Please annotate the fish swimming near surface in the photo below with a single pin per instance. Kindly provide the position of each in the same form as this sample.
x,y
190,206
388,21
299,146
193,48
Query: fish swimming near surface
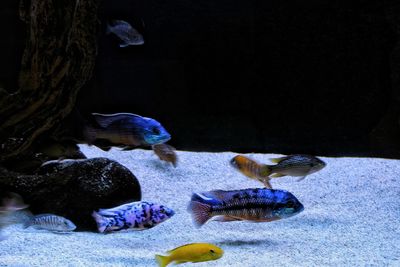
x,y
257,205
166,152
125,32
140,215
195,252
292,165
11,203
252,169
50,222
124,130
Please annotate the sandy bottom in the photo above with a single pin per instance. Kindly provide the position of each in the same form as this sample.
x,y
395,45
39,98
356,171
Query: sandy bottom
x,y
351,218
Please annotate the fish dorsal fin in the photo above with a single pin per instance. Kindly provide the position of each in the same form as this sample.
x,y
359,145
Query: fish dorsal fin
x,y
216,194
172,250
277,160
104,120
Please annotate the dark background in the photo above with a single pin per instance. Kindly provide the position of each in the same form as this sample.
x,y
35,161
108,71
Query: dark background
x,y
248,75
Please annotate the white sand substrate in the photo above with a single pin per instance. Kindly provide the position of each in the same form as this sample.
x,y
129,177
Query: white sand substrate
x,y
351,218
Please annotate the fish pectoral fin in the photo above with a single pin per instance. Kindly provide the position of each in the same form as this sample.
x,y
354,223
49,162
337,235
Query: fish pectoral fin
x,y
127,148
276,175
224,218
180,262
267,184
277,160
302,178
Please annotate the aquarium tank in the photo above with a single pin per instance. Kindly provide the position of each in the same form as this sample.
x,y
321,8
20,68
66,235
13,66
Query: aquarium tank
x,y
202,133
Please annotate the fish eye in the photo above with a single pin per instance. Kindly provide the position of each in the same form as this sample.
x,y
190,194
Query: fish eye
x,y
212,251
290,204
155,130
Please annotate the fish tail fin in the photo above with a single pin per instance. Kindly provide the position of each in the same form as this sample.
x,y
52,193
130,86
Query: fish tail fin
x,y
277,160
265,170
101,222
201,212
89,134
108,28
162,260
27,223
27,220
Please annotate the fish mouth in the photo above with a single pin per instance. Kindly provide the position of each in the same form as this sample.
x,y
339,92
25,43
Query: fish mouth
x,y
156,140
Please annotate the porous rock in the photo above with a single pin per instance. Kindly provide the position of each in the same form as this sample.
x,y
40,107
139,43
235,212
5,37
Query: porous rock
x,y
74,188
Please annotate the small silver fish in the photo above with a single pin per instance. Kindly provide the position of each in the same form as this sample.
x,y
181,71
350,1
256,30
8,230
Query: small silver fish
x,y
140,215
166,152
124,31
51,222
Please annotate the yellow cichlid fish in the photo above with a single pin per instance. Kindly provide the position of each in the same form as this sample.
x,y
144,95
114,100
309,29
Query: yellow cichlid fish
x,y
195,252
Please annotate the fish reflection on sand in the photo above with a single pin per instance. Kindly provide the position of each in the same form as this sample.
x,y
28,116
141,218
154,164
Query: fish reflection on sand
x,y
13,202
124,130
293,165
166,152
257,205
195,252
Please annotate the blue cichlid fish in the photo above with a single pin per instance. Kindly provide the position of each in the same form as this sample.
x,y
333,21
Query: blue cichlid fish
x,y
50,222
140,215
125,32
124,130
257,205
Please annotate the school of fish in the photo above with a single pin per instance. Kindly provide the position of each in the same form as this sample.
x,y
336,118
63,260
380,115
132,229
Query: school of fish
x,y
129,131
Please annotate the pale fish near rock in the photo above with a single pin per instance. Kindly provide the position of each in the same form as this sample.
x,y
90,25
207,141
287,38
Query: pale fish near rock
x,y
140,215
50,222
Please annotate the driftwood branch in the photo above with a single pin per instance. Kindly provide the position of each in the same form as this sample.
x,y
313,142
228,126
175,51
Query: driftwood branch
x,y
58,60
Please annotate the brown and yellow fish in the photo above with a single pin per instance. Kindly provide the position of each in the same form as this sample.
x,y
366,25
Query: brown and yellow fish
x,y
166,152
253,204
292,165
252,169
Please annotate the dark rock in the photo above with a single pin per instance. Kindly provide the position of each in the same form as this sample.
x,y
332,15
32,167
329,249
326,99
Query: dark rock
x,y
74,188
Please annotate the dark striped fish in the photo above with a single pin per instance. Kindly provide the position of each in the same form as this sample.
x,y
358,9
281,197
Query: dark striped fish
x,y
296,165
252,169
257,205
51,222
166,152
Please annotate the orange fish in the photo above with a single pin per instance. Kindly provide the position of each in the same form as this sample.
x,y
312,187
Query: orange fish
x,y
166,152
252,169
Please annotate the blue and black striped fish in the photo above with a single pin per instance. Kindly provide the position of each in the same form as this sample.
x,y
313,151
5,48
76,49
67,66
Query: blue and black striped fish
x,y
257,205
